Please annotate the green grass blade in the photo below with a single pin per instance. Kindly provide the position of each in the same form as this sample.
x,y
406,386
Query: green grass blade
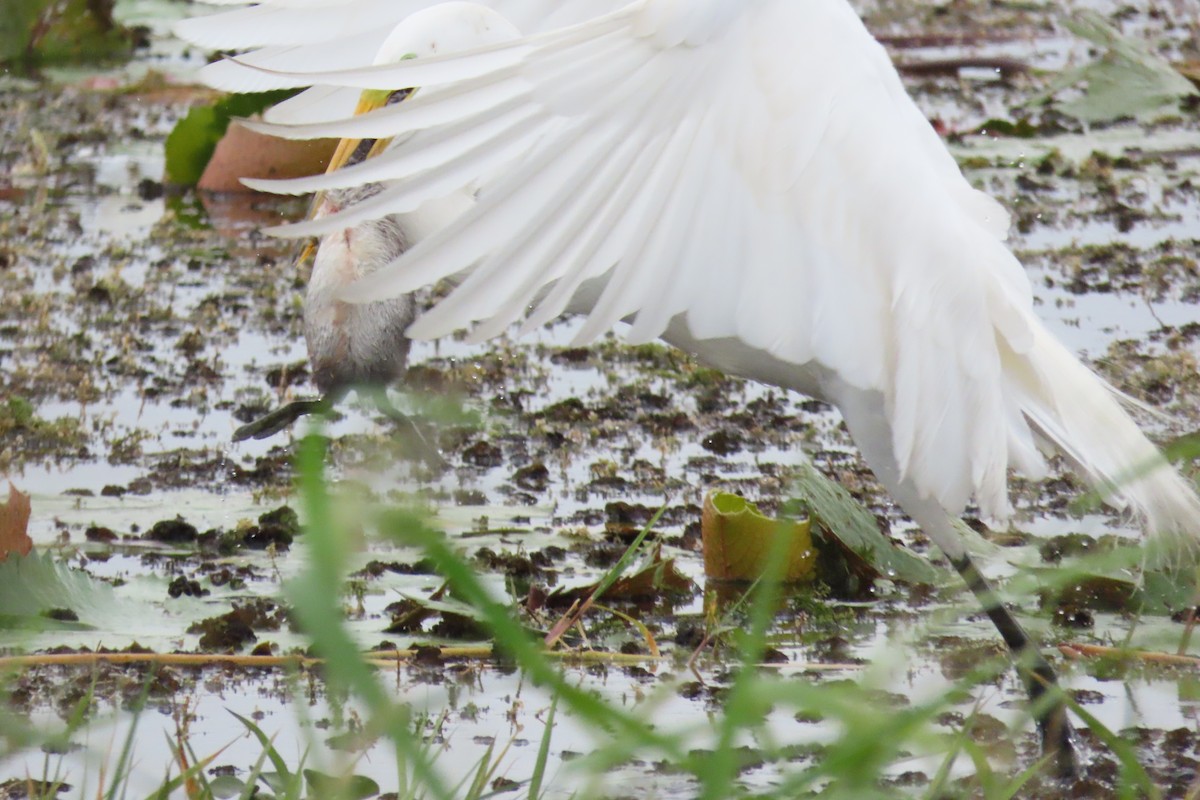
x,y
539,767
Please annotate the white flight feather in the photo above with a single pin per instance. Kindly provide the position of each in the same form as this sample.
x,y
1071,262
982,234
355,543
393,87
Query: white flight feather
x,y
440,181
398,163
843,238
314,105
497,291
264,25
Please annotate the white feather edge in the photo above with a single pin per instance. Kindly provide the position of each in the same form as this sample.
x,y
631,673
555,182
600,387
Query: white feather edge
x,y
631,243
1165,501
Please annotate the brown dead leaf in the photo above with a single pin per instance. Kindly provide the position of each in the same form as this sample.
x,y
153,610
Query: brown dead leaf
x,y
14,524
1191,71
658,577
243,153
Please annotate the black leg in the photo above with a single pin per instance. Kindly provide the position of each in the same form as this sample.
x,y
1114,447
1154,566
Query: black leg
x,y
273,422
426,451
1040,681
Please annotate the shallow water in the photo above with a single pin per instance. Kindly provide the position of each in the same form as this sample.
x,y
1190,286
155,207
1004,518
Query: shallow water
x,y
178,309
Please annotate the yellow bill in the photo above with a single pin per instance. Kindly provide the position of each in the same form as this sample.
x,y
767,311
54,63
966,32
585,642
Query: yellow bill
x,y
370,100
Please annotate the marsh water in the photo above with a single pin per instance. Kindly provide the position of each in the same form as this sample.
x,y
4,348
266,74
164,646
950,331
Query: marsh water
x,y
140,326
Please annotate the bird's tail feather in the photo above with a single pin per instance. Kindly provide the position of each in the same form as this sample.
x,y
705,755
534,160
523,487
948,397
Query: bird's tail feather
x,y
1083,418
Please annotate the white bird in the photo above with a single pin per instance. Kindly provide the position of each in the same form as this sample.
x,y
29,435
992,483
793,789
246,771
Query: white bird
x,y
746,179
362,346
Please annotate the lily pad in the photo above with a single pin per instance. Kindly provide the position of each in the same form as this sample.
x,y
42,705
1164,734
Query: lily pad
x,y
738,539
842,519
1128,80
55,31
39,592
194,138
1112,580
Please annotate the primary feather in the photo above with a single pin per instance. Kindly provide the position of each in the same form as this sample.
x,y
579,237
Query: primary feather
x,y
749,180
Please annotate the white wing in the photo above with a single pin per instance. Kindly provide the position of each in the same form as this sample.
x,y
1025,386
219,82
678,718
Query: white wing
x,y
753,165
324,35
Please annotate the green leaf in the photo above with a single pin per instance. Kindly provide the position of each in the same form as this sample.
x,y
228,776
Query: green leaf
x,y
33,585
352,787
1164,593
1128,80
1104,581
191,143
839,514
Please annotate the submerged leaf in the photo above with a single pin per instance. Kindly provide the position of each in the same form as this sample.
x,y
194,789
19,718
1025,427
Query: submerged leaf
x,y
14,524
653,578
1128,80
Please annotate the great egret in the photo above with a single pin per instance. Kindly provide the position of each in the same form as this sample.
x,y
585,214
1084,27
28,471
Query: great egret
x,y
363,345
746,179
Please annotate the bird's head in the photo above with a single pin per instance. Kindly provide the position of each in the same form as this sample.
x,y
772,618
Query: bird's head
x,y
439,30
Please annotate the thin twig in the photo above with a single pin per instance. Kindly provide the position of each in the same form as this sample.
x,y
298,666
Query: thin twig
x,y
1149,657
382,658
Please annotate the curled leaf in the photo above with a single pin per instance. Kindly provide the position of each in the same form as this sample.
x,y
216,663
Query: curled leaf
x,y
192,146
738,537
243,153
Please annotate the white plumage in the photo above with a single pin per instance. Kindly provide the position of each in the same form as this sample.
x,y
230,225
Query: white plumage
x,y
745,178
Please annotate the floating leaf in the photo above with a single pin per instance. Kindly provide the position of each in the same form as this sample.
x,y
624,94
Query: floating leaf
x,y
1164,592
194,138
1103,581
738,538
446,606
459,620
37,585
1128,80
842,519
